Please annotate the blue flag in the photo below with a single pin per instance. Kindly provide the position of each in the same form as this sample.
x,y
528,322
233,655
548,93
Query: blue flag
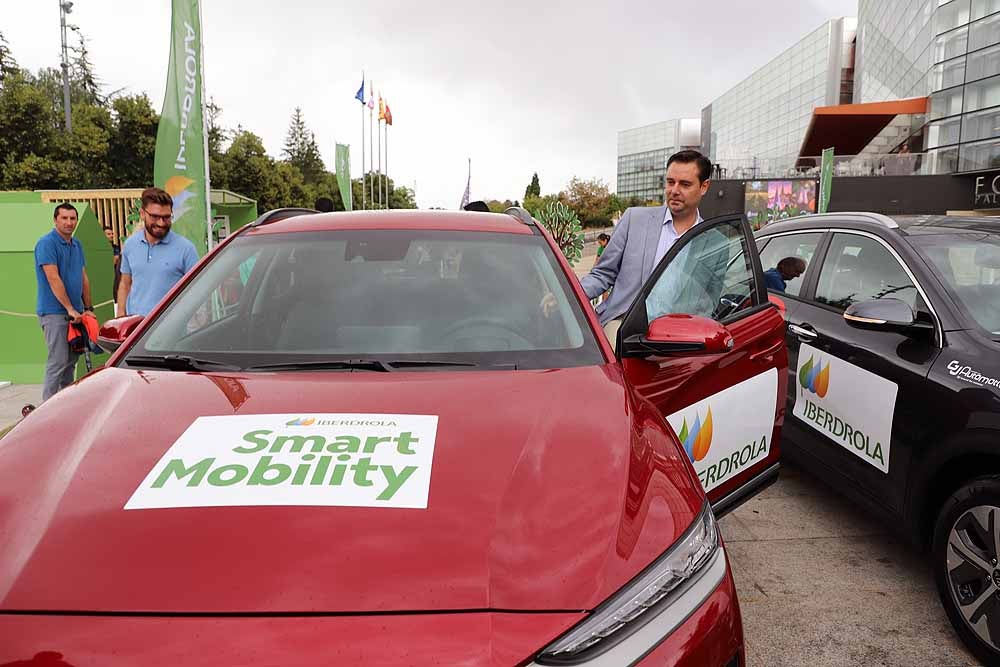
x,y
360,96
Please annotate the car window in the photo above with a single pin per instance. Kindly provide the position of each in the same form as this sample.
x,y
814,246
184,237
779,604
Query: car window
x,y
711,276
860,268
465,296
969,265
785,260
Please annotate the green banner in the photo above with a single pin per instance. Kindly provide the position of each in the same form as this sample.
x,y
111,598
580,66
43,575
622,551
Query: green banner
x,y
825,179
181,164
344,175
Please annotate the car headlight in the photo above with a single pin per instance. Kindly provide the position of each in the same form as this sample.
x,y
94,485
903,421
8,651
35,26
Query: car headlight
x,y
670,573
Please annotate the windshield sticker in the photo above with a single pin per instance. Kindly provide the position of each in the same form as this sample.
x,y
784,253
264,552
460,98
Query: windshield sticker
x,y
847,404
729,432
971,375
346,460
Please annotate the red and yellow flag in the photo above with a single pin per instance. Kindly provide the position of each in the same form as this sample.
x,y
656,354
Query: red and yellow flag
x,y
388,115
381,107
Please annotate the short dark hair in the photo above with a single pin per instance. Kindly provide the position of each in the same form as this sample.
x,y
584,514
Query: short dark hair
x,y
603,237
156,196
65,206
689,156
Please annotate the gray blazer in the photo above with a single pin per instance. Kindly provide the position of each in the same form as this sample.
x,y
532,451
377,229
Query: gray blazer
x,y
627,261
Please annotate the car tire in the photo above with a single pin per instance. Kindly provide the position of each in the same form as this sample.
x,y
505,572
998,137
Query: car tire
x,y
965,554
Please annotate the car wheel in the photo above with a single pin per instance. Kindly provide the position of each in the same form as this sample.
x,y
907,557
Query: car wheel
x,y
966,554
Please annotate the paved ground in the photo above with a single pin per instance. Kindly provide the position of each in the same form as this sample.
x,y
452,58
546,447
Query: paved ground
x,y
12,399
821,584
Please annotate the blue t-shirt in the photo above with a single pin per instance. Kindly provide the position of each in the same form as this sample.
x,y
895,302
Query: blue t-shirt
x,y
773,280
67,257
154,268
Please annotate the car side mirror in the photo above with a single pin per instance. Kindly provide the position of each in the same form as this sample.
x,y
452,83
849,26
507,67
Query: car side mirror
x,y
116,331
884,315
679,334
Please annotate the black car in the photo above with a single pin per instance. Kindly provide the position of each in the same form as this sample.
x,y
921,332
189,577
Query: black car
x,y
894,384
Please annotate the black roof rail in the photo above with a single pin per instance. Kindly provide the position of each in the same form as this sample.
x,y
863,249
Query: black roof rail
x,y
281,214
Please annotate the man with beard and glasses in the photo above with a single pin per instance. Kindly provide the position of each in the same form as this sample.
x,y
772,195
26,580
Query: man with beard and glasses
x,y
154,259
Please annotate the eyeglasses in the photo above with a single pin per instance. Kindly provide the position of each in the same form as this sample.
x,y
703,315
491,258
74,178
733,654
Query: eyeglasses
x,y
163,218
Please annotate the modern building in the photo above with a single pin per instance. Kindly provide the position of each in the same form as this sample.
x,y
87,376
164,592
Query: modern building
x,y
949,51
643,153
758,126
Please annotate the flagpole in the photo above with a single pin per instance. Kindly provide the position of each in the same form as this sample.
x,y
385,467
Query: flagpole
x,y
204,132
364,179
371,149
387,165
380,202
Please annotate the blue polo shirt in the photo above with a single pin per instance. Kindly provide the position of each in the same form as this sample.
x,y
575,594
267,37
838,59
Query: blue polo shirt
x,y
154,268
67,256
773,280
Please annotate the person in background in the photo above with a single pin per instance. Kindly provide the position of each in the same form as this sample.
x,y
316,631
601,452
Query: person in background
x,y
154,259
63,295
787,269
602,243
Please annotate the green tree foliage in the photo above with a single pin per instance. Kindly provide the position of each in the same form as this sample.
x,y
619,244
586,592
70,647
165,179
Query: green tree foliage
x,y
113,142
535,205
301,149
564,225
533,189
132,141
591,201
8,66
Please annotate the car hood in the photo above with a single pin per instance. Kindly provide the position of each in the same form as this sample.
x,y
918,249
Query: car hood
x,y
548,491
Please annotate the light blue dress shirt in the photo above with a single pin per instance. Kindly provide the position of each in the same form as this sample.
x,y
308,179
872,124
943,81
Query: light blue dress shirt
x,y
668,235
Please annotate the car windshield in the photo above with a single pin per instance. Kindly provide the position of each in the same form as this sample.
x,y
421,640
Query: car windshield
x,y
969,264
428,299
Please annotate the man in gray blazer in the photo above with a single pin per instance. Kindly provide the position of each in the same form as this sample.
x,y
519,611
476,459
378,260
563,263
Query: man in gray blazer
x,y
644,235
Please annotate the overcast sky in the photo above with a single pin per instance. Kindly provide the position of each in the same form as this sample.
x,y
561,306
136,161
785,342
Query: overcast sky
x,y
516,86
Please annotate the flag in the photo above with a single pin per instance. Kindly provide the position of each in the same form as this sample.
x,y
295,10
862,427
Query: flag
x,y
180,165
825,179
388,115
381,107
344,175
468,183
371,96
360,95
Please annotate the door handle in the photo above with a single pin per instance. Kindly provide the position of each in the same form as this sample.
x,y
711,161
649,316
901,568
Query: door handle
x,y
767,354
803,331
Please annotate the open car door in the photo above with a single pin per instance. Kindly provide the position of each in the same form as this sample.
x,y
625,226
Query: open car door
x,y
703,343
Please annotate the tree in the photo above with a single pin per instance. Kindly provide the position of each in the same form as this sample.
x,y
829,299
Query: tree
x,y
82,70
302,150
564,225
535,205
533,189
28,127
251,171
8,66
132,144
217,138
591,201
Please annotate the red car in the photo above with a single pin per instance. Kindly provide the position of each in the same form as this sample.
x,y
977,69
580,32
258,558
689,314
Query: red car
x,y
361,439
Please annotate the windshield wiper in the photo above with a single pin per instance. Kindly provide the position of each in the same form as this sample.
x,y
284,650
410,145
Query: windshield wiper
x,y
356,364
326,364
179,362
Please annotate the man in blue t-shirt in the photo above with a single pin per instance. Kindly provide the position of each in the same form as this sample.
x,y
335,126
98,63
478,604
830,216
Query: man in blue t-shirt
x,y
787,269
154,258
63,295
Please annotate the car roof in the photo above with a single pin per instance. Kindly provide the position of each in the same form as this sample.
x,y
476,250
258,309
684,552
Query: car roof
x,y
904,225
459,221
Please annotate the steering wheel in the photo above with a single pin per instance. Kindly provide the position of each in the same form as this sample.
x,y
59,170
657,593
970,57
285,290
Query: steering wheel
x,y
471,323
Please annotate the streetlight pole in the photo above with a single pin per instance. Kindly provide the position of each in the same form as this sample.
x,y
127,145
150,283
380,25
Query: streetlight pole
x,y
65,7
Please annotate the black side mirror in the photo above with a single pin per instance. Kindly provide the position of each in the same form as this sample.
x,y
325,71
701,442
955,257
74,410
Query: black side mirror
x,y
884,315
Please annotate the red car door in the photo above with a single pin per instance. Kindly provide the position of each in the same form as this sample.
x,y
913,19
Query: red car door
x,y
703,343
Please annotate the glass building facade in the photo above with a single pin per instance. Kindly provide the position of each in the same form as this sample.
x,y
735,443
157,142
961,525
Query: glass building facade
x,y
643,153
764,118
948,50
